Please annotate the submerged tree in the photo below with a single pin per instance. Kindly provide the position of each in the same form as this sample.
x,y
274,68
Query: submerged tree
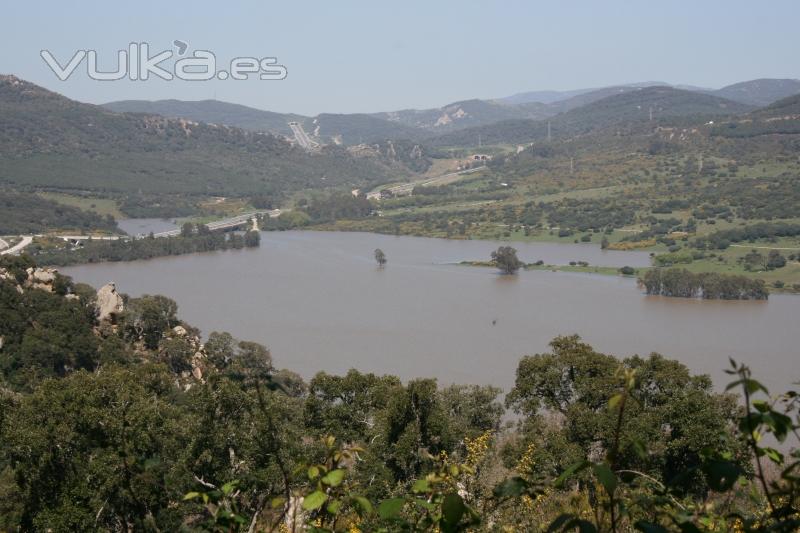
x,y
380,257
252,239
506,259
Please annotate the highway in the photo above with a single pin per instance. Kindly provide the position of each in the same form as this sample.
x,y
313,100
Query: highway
x,y
26,240
302,137
444,179
226,223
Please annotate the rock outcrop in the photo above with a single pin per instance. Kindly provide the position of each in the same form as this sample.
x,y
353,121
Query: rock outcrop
x,y
41,278
109,303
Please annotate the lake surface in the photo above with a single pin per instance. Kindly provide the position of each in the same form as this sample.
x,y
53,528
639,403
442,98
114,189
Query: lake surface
x,y
319,302
143,226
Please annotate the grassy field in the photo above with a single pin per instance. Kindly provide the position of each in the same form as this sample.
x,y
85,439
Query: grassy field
x,y
605,271
101,206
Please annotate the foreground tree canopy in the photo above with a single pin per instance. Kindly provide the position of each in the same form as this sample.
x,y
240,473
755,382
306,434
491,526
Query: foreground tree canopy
x,y
131,422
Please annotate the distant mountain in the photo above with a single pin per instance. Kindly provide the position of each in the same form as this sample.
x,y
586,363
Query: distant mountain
x,y
212,112
341,128
464,114
357,128
627,109
586,98
544,97
761,92
421,124
47,140
553,97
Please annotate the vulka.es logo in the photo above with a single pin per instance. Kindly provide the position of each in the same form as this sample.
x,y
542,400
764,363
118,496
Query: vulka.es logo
x,y
137,63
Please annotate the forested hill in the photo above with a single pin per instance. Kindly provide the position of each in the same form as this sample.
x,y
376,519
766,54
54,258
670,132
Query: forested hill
x,y
627,110
760,92
52,141
212,112
789,106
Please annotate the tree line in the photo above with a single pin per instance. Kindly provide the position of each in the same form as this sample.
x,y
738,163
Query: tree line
x,y
721,239
97,251
681,283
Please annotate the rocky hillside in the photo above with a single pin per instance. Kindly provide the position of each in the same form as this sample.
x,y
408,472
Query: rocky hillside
x,y
45,309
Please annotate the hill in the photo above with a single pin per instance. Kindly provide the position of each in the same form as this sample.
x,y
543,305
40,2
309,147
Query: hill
x,y
47,140
784,107
212,112
759,92
779,118
636,106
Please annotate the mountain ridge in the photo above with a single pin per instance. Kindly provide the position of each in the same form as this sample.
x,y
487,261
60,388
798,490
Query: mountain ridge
x,y
48,140
629,109
422,124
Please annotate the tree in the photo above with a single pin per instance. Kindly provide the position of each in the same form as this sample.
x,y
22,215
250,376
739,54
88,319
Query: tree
x,y
380,257
148,317
252,239
187,230
97,450
674,411
775,260
506,259
754,261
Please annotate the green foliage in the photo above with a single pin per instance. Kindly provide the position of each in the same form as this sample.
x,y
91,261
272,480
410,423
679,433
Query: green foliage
x,y
147,318
94,450
505,257
29,213
44,335
671,410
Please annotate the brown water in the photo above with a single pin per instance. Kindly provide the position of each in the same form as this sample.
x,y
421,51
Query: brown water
x,y
320,303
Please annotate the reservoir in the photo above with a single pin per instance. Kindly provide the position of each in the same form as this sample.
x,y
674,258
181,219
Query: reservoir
x,y
319,302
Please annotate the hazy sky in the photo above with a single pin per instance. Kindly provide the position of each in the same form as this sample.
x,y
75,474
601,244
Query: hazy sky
x,y
358,56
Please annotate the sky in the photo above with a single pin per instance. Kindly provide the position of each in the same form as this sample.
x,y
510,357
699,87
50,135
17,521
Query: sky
x,y
359,56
